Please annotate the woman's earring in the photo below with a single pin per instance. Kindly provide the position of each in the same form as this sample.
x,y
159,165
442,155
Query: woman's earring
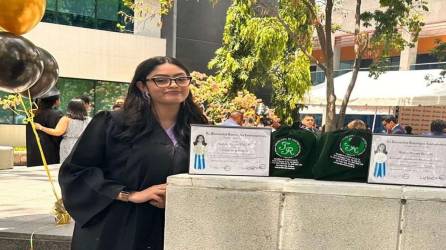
x,y
146,96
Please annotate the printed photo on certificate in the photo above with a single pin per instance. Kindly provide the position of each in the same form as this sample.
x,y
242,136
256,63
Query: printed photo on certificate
x,y
229,150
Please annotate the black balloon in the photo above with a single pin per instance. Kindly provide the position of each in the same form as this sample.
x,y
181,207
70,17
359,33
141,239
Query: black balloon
x,y
48,78
20,63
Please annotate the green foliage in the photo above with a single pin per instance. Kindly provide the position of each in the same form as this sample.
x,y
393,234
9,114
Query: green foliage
x,y
212,95
440,53
259,49
106,94
387,37
440,50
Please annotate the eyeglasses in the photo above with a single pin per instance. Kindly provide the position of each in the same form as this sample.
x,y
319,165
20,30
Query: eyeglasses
x,y
164,82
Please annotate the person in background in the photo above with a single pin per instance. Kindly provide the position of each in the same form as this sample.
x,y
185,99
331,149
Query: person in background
x,y
437,128
70,127
249,122
235,119
307,122
116,107
356,124
87,102
114,181
119,104
408,130
275,124
48,115
392,127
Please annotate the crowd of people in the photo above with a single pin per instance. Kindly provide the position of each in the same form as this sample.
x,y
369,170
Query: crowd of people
x,y
58,133
307,121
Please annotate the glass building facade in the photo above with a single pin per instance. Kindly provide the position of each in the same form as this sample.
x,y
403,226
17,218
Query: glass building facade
x,y
94,14
102,93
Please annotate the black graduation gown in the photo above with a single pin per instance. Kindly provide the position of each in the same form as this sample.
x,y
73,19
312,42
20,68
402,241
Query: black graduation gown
x,y
100,166
50,144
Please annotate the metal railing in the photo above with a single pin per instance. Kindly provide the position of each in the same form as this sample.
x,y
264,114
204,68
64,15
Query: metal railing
x,y
318,77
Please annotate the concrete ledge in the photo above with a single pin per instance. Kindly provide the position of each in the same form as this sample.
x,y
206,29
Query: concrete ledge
x,y
229,182
222,212
342,188
6,157
424,193
17,232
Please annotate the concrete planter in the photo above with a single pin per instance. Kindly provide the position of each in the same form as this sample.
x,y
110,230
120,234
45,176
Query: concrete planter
x,y
221,212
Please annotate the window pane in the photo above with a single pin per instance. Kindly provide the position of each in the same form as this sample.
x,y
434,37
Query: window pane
x,y
107,93
50,16
76,20
71,88
106,25
51,5
107,9
79,7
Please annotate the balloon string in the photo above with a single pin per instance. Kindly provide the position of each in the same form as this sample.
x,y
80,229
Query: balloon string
x,y
30,116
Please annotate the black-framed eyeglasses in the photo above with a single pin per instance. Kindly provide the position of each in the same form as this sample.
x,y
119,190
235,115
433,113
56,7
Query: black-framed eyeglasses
x,y
164,81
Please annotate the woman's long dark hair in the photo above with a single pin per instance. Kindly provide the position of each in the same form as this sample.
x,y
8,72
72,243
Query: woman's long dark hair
x,y
76,109
138,113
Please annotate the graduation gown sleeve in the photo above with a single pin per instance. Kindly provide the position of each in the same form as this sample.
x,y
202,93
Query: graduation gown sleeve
x,y
85,190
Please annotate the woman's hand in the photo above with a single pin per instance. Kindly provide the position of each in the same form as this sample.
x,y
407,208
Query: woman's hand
x,y
155,195
38,126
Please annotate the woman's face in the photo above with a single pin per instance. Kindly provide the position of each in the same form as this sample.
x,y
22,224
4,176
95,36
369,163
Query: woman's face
x,y
200,139
170,94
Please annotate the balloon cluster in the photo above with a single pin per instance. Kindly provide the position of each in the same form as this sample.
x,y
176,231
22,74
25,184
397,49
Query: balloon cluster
x,y
23,66
26,70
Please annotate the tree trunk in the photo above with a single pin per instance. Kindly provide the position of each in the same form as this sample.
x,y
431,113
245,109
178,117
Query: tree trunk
x,y
330,111
359,44
342,111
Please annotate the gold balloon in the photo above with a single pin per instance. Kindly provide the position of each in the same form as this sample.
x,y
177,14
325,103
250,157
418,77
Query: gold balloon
x,y
20,16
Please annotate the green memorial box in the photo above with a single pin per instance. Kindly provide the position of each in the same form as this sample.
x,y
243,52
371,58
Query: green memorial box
x,y
343,155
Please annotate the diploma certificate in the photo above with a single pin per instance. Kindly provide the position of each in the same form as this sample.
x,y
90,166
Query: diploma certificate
x,y
229,150
409,160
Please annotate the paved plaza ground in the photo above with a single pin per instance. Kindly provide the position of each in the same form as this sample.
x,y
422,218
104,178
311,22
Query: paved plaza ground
x,y
26,203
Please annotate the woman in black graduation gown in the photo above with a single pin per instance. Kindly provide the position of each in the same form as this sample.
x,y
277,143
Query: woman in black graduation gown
x,y
48,115
113,182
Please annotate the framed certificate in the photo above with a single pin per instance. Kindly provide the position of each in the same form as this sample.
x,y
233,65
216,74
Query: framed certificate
x,y
409,160
224,150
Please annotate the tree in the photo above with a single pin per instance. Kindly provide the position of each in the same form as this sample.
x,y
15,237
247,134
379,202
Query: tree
x,y
212,95
440,53
269,40
388,22
258,50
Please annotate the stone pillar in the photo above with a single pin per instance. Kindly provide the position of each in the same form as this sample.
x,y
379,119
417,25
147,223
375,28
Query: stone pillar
x,y
408,55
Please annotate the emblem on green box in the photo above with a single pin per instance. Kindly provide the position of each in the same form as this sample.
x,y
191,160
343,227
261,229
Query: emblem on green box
x,y
287,148
348,148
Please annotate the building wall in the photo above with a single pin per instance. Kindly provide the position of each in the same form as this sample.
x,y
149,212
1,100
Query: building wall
x,y
95,54
196,30
346,13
